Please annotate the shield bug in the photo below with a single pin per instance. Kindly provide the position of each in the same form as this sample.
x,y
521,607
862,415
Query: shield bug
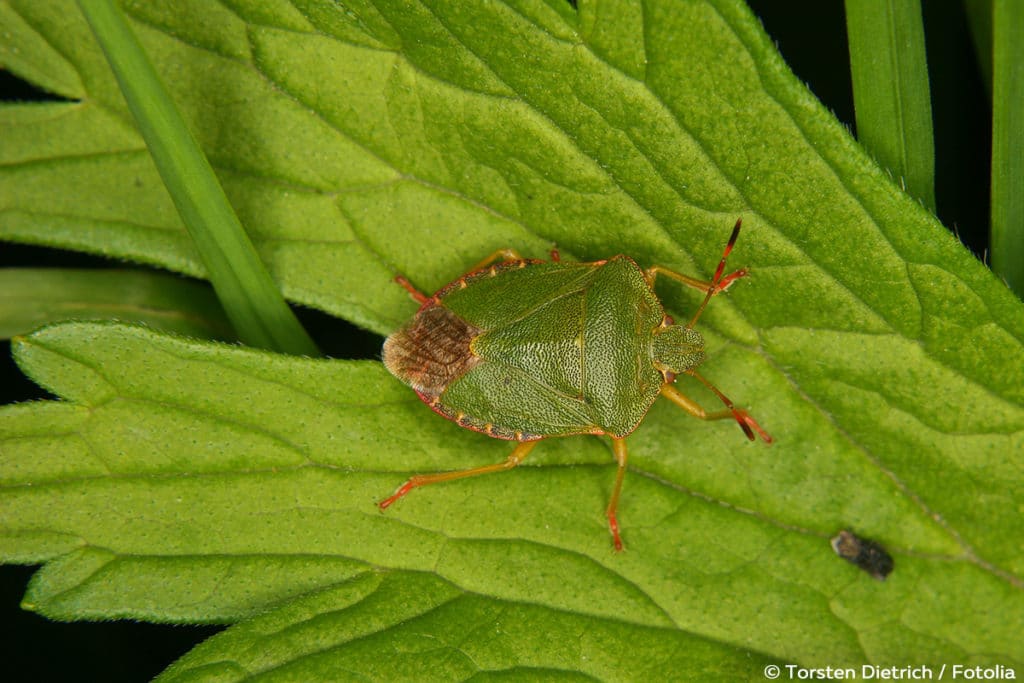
x,y
523,350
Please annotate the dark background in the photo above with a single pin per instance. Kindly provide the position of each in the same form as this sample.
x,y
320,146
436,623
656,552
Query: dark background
x,y
811,35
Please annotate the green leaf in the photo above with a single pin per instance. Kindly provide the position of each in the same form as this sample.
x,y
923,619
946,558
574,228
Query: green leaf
x,y
31,298
885,360
252,479
890,90
433,631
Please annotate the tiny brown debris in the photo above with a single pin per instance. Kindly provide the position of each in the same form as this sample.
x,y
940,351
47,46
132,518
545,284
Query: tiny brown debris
x,y
864,553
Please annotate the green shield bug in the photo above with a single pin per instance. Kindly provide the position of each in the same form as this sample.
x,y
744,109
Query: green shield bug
x,y
523,350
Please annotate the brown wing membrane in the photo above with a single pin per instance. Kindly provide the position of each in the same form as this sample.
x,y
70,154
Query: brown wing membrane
x,y
431,351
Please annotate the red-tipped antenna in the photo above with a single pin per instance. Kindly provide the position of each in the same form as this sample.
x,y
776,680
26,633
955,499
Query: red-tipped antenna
x,y
718,283
747,423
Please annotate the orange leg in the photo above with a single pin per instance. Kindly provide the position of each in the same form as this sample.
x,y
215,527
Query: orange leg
x,y
499,255
407,286
747,423
619,448
515,457
505,254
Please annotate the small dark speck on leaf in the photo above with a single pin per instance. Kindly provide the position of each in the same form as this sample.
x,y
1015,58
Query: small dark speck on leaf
x,y
864,553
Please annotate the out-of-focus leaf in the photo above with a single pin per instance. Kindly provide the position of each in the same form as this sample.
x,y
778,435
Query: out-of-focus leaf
x,y
33,297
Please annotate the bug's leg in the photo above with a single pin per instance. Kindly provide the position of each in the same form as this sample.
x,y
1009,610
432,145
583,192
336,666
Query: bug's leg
x,y
717,283
702,285
500,255
619,448
514,458
407,286
747,423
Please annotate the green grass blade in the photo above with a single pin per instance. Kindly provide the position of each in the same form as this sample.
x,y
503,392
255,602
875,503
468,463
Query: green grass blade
x,y
33,297
1008,142
249,296
890,90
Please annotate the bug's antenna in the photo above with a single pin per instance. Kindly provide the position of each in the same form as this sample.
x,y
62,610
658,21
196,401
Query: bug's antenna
x,y
718,283
746,422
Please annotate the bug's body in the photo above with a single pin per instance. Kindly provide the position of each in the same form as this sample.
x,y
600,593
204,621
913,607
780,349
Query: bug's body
x,y
525,349
575,357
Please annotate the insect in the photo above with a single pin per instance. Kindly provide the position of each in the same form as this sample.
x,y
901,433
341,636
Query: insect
x,y
524,350
867,554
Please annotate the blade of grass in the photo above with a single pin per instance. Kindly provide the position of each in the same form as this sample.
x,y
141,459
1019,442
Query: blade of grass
x,y
249,296
891,95
1008,142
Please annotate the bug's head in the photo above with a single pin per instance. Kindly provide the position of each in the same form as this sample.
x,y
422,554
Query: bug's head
x,y
677,348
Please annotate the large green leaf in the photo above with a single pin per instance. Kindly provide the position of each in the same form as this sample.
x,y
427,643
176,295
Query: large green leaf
x,y
251,478
203,483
